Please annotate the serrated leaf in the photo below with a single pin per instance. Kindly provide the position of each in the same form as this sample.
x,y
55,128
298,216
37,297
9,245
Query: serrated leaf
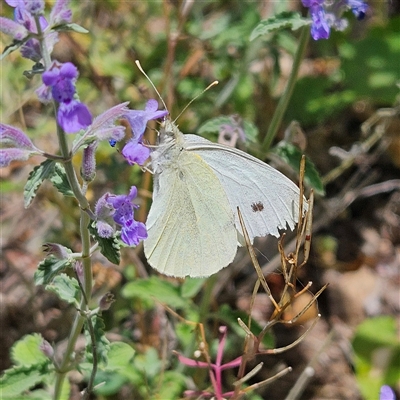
x,y
26,351
214,125
191,286
292,155
60,181
119,355
109,247
65,288
49,268
102,343
154,288
17,380
287,19
36,177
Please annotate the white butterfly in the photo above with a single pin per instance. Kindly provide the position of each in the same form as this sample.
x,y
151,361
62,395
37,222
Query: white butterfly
x,y
193,226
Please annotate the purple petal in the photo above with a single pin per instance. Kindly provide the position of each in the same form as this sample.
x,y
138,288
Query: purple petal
x,y
135,153
139,118
68,71
319,28
386,393
74,116
133,234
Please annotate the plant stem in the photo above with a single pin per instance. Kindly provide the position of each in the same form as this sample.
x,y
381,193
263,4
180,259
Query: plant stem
x,y
287,94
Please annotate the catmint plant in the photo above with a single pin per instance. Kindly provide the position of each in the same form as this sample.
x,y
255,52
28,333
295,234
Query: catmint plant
x,y
104,225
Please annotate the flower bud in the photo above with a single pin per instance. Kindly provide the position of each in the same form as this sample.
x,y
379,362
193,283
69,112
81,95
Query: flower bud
x,y
88,169
57,250
46,348
106,301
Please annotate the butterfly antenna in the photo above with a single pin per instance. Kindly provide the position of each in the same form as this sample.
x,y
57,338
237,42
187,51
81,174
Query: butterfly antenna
x,y
191,101
137,62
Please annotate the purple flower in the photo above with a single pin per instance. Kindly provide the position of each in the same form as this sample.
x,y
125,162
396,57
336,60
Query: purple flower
x,y
215,370
132,231
72,114
120,208
134,151
326,14
24,14
358,7
319,28
139,118
61,78
17,145
386,393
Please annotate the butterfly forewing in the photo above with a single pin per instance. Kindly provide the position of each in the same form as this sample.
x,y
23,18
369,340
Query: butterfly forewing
x,y
248,181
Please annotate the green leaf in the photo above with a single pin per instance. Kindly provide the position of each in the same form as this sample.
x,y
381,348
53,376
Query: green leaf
x,y
172,385
292,156
119,356
15,45
214,125
36,177
154,288
65,288
60,181
191,286
17,380
292,20
109,247
379,54
70,27
26,351
49,268
102,343
149,363
373,333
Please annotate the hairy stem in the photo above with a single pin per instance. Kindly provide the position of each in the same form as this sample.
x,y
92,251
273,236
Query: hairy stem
x,y
77,326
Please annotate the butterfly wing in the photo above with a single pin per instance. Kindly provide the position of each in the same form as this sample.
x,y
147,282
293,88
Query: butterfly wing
x,y
190,225
267,199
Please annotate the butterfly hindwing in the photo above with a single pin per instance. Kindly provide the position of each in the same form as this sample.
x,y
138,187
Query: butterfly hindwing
x,y
190,224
